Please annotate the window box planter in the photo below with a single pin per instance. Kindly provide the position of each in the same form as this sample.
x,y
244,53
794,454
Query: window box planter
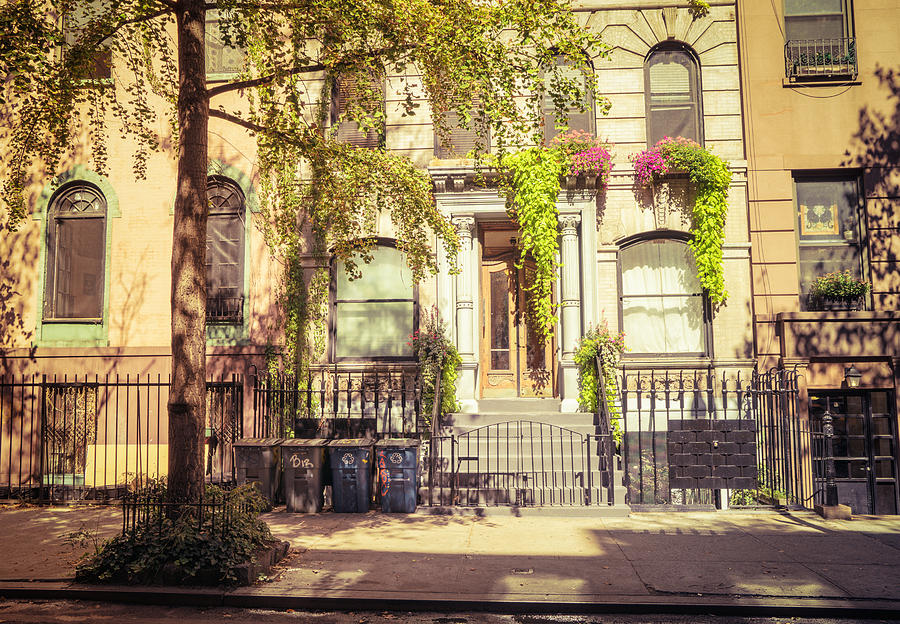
x,y
823,304
839,290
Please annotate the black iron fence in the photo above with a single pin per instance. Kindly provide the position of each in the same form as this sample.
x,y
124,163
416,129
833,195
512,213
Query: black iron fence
x,y
516,463
789,461
338,403
690,436
84,438
141,511
820,58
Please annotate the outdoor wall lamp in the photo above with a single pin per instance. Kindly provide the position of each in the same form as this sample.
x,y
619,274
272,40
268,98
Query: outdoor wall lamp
x,y
852,377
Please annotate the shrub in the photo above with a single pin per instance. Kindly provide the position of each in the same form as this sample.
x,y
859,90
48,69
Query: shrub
x,y
712,178
194,552
435,352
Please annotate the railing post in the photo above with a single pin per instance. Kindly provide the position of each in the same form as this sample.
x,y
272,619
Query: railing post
x,y
831,496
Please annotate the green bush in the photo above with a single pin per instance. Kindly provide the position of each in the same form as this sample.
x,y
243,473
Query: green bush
x,y
161,548
436,352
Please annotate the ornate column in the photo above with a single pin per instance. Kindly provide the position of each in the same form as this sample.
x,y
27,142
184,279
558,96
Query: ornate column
x,y
570,309
465,314
464,300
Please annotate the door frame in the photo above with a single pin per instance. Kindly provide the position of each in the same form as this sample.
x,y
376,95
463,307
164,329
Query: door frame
x,y
868,435
516,330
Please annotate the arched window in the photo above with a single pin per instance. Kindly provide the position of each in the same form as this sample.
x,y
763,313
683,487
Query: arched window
x,y
374,316
224,252
76,254
672,85
577,119
663,306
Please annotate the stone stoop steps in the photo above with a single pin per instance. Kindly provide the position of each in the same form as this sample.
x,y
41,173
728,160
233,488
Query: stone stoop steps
x,y
520,453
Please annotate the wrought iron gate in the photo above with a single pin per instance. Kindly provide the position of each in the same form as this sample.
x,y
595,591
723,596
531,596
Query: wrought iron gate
x,y
521,463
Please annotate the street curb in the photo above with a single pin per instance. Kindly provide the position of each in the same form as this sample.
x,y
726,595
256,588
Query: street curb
x,y
675,605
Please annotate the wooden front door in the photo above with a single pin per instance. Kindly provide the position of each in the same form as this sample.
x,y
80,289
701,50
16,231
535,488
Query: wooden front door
x,y
514,362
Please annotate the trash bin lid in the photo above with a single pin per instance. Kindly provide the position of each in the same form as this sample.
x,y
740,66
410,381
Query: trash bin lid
x,y
258,442
396,442
352,442
305,442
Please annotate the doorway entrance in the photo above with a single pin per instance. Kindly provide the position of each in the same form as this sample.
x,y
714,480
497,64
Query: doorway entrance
x,y
865,444
514,361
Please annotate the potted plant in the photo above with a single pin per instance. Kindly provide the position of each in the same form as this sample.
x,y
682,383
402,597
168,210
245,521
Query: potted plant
x,y
837,291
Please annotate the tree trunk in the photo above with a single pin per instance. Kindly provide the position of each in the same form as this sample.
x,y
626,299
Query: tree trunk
x,y
187,394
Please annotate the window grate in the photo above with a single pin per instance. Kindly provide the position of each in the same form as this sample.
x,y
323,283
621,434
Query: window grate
x,y
820,58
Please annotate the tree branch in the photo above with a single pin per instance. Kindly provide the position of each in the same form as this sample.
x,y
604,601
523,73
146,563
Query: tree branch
x,y
258,82
287,137
252,127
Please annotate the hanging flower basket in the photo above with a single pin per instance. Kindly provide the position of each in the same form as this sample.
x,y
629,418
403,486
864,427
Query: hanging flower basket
x,y
710,177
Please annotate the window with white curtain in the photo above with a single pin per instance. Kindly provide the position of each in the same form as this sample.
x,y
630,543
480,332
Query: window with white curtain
x,y
374,315
662,300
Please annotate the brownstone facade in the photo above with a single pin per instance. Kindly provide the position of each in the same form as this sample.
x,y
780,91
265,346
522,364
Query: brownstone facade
x,y
821,123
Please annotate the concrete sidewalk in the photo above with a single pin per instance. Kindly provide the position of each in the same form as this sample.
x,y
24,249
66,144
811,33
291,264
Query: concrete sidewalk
x,y
790,562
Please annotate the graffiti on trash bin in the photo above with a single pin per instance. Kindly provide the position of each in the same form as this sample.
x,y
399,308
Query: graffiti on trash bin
x,y
298,462
384,475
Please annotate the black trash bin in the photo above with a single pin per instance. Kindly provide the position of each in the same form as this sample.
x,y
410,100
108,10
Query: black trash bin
x,y
257,461
351,472
304,483
397,461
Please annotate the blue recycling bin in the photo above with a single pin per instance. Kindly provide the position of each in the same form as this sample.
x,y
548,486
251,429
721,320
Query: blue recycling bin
x,y
397,463
351,474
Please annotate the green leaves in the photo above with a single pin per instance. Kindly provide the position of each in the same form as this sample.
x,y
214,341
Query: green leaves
x,y
531,184
599,342
712,178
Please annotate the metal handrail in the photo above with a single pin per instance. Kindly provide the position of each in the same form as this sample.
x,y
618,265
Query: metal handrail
x,y
605,439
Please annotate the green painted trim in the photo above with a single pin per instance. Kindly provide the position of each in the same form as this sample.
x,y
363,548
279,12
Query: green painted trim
x,y
217,167
251,200
63,334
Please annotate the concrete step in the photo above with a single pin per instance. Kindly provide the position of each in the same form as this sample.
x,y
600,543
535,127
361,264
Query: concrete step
x,y
513,496
519,404
481,419
511,479
515,432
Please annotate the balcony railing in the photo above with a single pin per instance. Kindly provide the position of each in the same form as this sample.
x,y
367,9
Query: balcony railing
x,y
224,310
820,58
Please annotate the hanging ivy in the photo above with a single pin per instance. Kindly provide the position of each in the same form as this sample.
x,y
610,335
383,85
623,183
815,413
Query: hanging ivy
x,y
599,342
712,178
531,182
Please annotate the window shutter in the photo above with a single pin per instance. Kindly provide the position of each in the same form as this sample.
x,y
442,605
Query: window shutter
x,y
577,119
462,140
348,131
